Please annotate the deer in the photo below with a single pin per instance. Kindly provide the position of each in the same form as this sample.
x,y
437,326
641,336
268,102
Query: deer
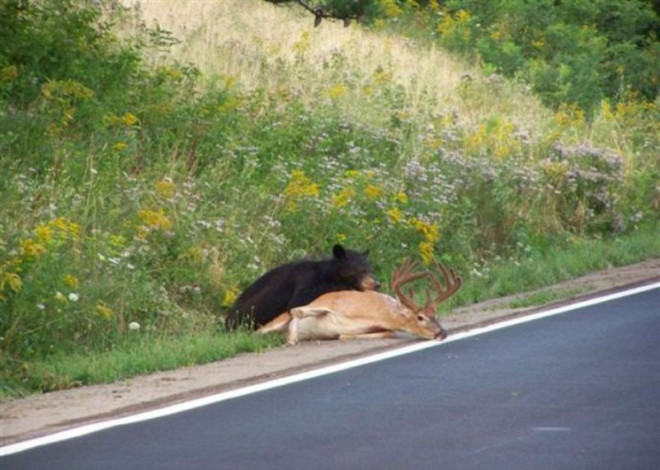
x,y
371,314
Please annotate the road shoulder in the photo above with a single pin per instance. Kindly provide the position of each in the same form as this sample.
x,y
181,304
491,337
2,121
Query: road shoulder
x,y
44,414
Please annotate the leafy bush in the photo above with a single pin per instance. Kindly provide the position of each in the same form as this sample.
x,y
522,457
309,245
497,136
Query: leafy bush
x,y
570,52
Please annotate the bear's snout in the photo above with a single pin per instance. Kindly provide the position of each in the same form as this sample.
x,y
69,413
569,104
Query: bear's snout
x,y
369,283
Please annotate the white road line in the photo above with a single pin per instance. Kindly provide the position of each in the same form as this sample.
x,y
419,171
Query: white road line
x,y
199,402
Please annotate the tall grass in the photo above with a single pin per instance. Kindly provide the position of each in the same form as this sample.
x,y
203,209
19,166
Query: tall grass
x,y
258,46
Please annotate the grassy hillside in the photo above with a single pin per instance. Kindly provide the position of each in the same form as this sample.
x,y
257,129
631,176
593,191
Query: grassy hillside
x,y
153,175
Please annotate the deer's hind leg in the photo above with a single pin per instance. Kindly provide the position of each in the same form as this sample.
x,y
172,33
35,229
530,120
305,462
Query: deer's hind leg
x,y
300,313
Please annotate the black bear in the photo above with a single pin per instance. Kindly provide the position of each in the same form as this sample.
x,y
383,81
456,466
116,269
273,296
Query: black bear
x,y
298,283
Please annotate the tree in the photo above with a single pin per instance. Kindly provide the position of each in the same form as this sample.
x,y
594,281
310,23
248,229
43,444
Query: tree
x,y
344,10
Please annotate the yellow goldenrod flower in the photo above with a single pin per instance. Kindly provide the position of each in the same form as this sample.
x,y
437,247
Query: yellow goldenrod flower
x,y
426,252
32,249
44,233
8,73
395,214
155,220
301,186
374,192
336,91
402,197
104,311
431,232
11,280
130,119
303,44
70,280
343,197
230,296
117,241
165,188
66,227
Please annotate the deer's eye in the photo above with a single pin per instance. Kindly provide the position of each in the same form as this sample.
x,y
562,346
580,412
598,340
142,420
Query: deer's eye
x,y
420,318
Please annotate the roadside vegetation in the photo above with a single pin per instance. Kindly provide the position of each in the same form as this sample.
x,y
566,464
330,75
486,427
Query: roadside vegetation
x,y
151,172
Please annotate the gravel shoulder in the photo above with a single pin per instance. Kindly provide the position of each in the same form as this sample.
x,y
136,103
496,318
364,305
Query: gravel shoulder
x,y
39,415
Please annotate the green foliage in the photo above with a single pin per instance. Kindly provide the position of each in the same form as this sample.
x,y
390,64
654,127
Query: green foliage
x,y
142,199
570,52
59,40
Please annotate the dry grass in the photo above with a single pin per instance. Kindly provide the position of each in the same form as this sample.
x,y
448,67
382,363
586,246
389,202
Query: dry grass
x,y
256,45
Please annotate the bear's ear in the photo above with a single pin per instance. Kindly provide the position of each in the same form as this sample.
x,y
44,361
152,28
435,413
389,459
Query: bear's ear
x,y
339,252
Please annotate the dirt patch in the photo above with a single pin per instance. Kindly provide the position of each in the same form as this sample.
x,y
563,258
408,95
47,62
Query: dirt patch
x,y
43,414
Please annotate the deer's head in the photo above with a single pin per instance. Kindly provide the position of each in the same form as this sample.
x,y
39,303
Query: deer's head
x,y
420,319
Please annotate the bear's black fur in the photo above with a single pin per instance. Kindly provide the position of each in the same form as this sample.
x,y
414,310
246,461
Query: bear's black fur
x,y
298,283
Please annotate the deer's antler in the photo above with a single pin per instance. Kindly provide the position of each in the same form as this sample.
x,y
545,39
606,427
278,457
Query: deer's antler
x,y
452,282
403,275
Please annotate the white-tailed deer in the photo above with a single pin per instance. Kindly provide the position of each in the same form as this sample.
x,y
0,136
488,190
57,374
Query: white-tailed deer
x,y
370,314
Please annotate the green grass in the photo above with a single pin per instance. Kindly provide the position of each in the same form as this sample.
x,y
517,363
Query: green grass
x,y
143,355
561,264
544,298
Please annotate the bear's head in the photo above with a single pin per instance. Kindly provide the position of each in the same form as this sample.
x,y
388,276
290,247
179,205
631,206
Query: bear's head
x,y
354,268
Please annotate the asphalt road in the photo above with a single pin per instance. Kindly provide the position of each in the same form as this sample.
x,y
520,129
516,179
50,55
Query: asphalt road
x,y
579,390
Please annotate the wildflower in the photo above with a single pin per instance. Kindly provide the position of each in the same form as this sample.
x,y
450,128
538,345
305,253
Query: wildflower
x,y
70,280
154,220
12,280
395,214
391,8
426,252
44,233
41,306
60,297
430,232
569,116
32,249
8,73
66,227
300,186
303,44
341,237
130,119
336,91
103,310
373,192
117,241
230,296
73,297
343,197
134,326
119,146
606,111
401,197
165,188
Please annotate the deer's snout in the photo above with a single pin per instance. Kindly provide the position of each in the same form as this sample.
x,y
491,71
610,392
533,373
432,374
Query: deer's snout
x,y
442,334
